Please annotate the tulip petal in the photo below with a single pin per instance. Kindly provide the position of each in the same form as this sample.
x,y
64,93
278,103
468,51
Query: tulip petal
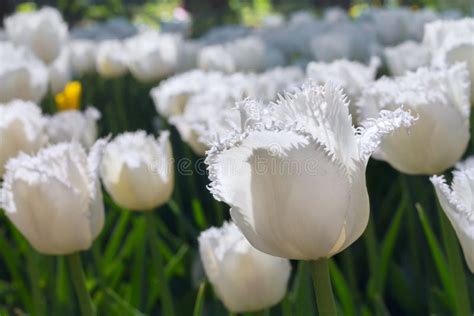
x,y
459,214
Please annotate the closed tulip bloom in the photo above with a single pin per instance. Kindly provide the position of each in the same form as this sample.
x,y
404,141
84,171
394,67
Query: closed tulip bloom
x,y
294,175
244,278
22,75
137,170
21,130
111,59
74,125
457,203
54,198
440,99
43,31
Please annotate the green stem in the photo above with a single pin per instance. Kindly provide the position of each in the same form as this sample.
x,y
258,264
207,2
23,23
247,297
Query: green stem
x,y
166,298
323,287
78,279
35,288
455,265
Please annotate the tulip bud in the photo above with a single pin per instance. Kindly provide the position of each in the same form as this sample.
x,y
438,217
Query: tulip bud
x,y
22,75
244,278
21,130
111,60
54,198
294,175
137,170
73,125
43,31
440,99
457,205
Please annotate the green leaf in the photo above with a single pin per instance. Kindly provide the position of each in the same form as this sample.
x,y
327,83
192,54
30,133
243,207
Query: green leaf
x,y
199,300
342,289
438,256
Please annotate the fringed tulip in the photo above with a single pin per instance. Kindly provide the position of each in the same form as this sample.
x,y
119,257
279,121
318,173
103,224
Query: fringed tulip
x,y
440,99
294,175
137,170
458,205
54,198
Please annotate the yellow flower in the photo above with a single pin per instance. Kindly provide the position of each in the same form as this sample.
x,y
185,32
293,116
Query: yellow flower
x,y
70,97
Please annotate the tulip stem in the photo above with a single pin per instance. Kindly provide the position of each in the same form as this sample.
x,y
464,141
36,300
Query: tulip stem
x,y
166,298
79,281
323,288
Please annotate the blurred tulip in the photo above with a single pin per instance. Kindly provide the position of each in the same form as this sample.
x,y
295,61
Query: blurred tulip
x,y
351,76
54,198
22,75
171,95
137,170
452,42
440,136
153,56
407,56
457,203
244,278
21,130
60,71
83,55
111,59
74,125
294,175
43,31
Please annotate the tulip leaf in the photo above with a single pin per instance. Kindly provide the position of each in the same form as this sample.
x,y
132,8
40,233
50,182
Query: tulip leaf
x,y
438,256
388,245
342,289
199,300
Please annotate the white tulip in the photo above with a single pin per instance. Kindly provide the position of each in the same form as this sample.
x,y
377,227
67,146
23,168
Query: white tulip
x,y
171,95
452,42
294,175
440,32
153,56
54,198
83,55
111,59
458,205
244,54
43,31
137,170
60,71
22,75
73,125
407,56
21,130
441,100
244,278
351,76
